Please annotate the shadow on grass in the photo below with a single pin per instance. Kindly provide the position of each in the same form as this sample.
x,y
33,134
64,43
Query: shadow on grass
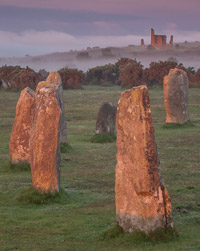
x,y
16,167
159,235
103,138
31,196
65,148
178,126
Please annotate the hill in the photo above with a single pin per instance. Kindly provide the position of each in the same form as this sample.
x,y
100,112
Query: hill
x,y
186,53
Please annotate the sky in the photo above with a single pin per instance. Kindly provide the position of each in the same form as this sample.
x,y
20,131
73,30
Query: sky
x,y
36,27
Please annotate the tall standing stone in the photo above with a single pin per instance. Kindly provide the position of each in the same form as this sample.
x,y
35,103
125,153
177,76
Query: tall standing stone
x,y
54,78
45,139
20,134
106,119
176,96
142,201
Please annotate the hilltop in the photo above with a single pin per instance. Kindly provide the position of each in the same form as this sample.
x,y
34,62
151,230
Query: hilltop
x,y
187,53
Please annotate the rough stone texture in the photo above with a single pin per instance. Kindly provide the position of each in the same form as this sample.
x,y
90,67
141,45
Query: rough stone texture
x,y
106,119
20,134
45,139
160,41
54,78
142,201
176,96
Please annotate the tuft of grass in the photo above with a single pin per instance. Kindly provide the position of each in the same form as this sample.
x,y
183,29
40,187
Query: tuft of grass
x,y
65,148
163,235
159,235
112,233
16,167
177,126
31,196
103,138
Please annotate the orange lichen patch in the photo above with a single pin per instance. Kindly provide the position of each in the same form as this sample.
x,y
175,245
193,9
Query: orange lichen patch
x,y
175,87
45,140
54,77
138,193
20,134
42,84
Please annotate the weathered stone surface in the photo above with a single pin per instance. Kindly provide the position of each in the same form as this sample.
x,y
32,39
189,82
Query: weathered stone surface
x,y
54,78
20,134
142,201
159,41
45,139
176,96
106,119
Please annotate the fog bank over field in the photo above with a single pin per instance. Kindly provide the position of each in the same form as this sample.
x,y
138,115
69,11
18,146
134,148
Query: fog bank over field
x,y
187,53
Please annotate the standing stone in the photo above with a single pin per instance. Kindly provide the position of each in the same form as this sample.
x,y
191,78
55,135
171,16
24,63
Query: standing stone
x,y
54,78
142,201
106,119
176,96
20,134
45,139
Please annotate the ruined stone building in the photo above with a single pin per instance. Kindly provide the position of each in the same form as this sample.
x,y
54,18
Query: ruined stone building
x,y
160,41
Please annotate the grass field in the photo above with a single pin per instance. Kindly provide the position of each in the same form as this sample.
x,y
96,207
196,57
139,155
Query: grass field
x,y
86,206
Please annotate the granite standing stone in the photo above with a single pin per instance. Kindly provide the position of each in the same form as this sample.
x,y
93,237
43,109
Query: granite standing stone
x,y
54,78
106,119
20,134
176,96
142,201
45,139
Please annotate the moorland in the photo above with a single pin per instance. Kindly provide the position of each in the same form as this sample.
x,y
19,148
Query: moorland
x,y
85,208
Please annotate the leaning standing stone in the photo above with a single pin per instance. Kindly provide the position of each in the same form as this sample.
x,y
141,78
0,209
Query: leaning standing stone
x,y
45,139
106,119
176,96
142,201
20,134
54,78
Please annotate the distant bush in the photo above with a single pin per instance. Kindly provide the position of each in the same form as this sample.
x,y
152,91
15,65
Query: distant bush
x,y
131,72
157,70
15,77
107,52
103,75
83,55
72,78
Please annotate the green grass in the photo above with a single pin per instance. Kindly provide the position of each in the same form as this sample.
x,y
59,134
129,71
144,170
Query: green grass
x,y
65,147
159,235
16,167
103,138
31,196
76,219
178,126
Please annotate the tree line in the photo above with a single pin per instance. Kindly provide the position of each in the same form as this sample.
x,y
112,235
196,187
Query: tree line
x,y
125,72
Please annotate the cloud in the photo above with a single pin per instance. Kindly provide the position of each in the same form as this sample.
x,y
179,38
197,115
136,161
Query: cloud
x,y
37,42
181,36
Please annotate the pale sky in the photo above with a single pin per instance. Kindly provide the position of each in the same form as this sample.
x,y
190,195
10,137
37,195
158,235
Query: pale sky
x,y
42,26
